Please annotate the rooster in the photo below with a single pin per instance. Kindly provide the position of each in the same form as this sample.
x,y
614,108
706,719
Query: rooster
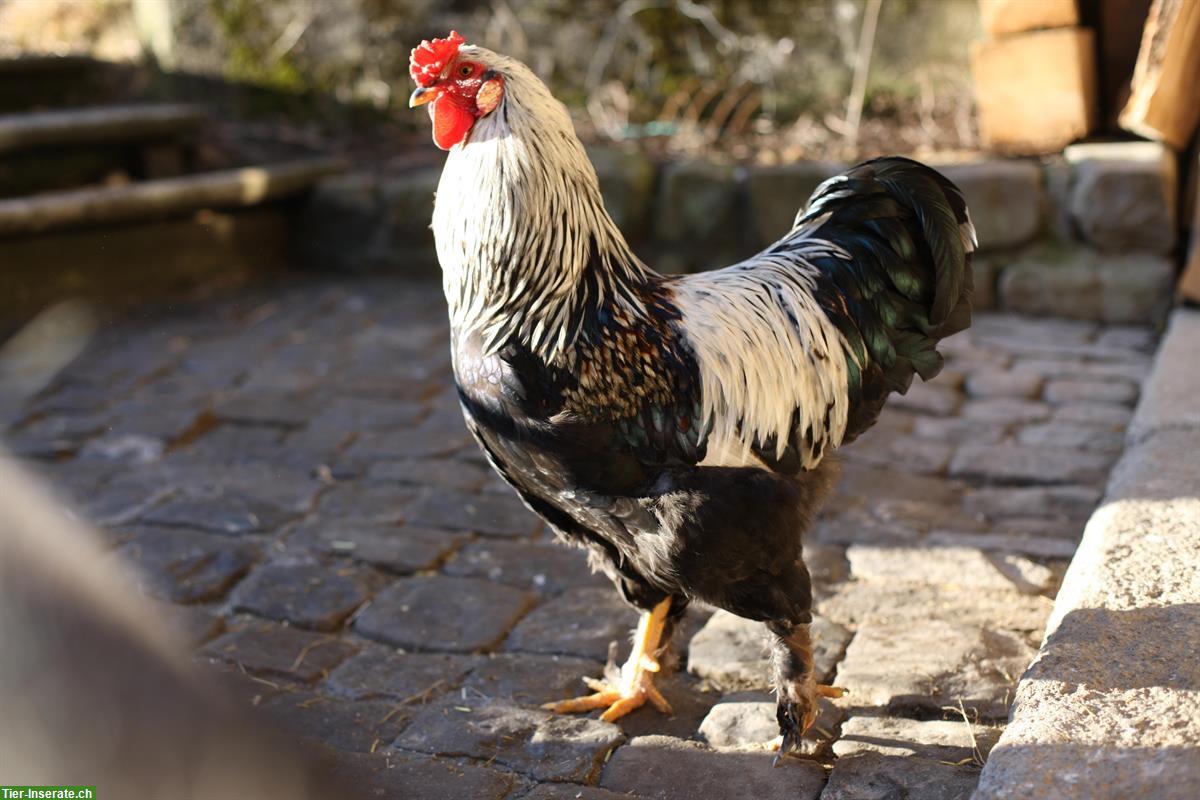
x,y
677,427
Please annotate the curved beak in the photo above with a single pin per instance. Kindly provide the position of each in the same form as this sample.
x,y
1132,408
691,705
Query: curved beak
x,y
422,95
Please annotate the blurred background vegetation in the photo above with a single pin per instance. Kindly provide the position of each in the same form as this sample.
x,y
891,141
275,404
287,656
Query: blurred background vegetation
x,y
764,80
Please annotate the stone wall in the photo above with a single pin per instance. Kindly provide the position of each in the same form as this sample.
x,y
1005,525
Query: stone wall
x,y
1090,234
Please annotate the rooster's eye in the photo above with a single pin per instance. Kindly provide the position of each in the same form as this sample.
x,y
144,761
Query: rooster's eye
x,y
465,70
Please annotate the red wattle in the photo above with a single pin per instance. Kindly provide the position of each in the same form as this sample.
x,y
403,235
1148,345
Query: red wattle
x,y
451,122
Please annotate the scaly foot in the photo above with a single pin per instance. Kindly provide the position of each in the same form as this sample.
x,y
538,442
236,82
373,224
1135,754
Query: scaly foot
x,y
636,683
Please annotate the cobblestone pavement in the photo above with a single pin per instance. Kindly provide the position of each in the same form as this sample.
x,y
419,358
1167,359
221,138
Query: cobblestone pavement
x,y
290,475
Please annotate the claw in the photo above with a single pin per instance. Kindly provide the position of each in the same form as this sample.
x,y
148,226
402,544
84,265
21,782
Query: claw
x,y
634,686
831,691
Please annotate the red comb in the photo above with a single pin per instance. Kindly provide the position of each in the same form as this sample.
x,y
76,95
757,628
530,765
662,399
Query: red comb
x,y
428,59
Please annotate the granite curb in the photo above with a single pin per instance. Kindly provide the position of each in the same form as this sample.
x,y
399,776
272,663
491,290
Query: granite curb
x,y
1110,708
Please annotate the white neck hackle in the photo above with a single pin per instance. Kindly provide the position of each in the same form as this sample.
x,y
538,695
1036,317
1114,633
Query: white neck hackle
x,y
519,222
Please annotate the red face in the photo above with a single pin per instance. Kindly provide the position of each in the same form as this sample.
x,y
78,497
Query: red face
x,y
459,91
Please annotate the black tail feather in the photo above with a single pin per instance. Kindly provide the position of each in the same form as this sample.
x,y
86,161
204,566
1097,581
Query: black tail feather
x,y
909,281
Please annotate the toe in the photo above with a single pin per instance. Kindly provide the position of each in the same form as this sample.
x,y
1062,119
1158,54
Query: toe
x,y
587,703
622,706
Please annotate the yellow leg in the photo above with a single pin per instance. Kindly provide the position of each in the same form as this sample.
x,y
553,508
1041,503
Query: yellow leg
x,y
636,684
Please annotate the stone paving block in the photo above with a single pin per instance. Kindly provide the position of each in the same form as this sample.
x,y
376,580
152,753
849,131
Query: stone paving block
x,y
262,406
396,548
873,485
1074,437
1099,414
238,443
1025,544
580,623
1131,371
379,672
185,566
274,649
747,720
440,613
995,383
490,515
944,740
928,398
854,604
1015,463
571,791
219,510
731,652
664,768
374,502
546,746
858,525
1069,390
1006,411
362,727
872,776
927,667
997,502
528,679
925,516
550,568
908,453
958,567
309,595
957,430
413,776
456,475
366,414
691,700
433,438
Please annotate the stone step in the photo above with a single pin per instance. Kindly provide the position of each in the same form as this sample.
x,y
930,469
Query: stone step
x,y
38,81
157,199
24,131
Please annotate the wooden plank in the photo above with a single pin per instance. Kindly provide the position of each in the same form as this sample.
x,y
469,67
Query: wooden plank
x,y
1163,102
1003,17
86,125
161,198
1036,92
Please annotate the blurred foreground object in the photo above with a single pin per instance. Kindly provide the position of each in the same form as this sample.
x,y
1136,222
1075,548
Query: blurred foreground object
x,y
1035,76
1163,100
95,692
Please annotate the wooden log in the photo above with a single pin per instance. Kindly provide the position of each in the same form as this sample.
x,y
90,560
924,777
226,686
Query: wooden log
x,y
161,198
1036,92
87,125
1164,102
1002,17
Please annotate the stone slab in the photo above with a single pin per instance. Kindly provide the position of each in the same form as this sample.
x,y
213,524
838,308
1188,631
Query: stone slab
x,y
1111,707
663,768
855,603
873,776
925,668
415,776
273,649
1170,400
309,595
731,652
541,744
945,740
458,615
